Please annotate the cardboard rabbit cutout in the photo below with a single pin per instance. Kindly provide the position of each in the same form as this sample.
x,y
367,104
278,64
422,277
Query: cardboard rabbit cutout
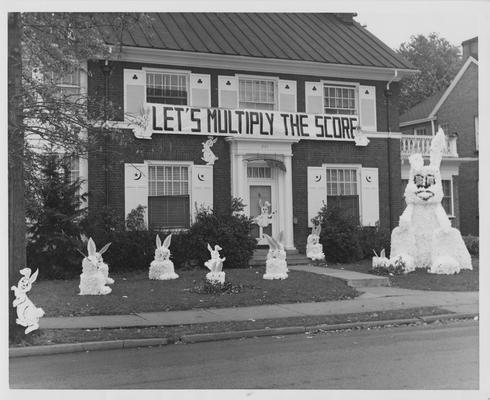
x,y
28,314
95,273
276,266
314,249
207,154
215,265
424,237
162,268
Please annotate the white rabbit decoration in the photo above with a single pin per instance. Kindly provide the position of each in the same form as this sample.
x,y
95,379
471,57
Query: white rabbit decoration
x,y
162,268
314,249
207,155
28,314
276,266
215,265
424,237
95,273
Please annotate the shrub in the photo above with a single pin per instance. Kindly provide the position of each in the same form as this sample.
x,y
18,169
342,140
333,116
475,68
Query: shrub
x,y
135,221
339,235
373,238
472,244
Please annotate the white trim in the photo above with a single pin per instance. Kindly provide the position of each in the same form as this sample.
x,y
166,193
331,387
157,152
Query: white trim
x,y
245,63
384,135
182,72
453,84
274,79
417,121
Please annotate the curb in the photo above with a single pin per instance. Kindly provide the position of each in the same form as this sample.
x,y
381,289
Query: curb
x,y
15,352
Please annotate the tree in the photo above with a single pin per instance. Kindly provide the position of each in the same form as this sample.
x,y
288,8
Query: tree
x,y
438,62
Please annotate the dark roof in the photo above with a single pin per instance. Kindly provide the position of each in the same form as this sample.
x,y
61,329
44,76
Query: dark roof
x,y
422,109
318,37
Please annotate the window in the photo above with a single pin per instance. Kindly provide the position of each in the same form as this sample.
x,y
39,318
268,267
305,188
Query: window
x,y
421,132
477,138
343,190
340,99
447,199
259,94
168,196
74,168
258,172
166,88
67,83
445,127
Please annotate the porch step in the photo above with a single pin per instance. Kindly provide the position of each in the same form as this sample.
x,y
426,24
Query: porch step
x,y
293,257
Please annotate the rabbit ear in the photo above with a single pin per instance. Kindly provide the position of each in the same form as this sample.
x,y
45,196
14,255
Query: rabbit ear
x,y
166,242
272,243
318,229
91,248
279,237
217,247
158,242
382,253
104,249
261,203
209,248
33,277
26,272
436,148
416,161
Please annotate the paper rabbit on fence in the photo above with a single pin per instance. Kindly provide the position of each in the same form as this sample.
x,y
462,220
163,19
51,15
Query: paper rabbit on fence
x,y
276,266
28,314
424,237
215,265
314,249
162,268
95,273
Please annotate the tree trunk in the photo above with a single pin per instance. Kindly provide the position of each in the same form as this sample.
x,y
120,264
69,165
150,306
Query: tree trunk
x,y
16,213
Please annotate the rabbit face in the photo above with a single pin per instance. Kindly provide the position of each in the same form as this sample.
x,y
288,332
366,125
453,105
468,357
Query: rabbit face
x,y
162,253
424,186
24,284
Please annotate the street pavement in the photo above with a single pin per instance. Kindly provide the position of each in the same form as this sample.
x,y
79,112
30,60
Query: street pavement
x,y
435,356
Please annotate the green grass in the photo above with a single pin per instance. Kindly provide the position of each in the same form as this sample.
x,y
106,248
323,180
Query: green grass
x,y
173,333
465,281
135,293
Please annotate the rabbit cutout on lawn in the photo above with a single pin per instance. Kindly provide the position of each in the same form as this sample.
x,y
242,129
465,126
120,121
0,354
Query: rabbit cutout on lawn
x,y
207,154
314,249
424,237
95,273
28,314
265,217
215,265
162,268
276,266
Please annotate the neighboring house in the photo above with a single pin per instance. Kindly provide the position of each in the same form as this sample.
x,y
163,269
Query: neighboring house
x,y
296,104
455,110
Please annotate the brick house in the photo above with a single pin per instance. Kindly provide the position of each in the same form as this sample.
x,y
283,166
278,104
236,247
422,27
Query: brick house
x,y
455,110
294,107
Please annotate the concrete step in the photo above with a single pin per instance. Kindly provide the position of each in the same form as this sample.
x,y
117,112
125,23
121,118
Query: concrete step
x,y
352,278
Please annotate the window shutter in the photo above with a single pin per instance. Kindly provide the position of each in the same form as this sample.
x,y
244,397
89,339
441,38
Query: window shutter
x,y
287,95
367,108
314,97
369,196
135,188
317,191
200,90
202,186
134,91
228,91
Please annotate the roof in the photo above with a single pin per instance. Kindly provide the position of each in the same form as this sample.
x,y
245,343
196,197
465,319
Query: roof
x,y
429,107
318,37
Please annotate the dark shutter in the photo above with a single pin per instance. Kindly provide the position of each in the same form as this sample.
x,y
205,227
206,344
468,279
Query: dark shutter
x,y
166,212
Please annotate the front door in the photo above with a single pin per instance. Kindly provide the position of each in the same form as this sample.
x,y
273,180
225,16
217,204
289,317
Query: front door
x,y
262,201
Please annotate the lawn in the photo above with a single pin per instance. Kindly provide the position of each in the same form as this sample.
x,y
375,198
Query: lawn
x,y
133,292
465,281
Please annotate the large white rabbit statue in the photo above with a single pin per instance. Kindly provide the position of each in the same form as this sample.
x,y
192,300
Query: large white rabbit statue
x,y
215,265
314,249
424,237
28,314
276,266
95,273
162,268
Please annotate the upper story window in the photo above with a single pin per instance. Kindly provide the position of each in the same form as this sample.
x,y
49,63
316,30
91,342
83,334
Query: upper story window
x,y
259,94
68,84
167,88
421,132
445,127
339,99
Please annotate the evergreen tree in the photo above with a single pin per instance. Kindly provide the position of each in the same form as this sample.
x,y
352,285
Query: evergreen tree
x,y
54,218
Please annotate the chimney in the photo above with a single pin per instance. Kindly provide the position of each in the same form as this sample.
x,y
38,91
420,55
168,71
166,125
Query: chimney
x,y
470,48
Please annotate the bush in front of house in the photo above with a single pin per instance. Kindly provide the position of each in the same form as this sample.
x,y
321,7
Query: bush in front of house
x,y
373,238
339,235
472,244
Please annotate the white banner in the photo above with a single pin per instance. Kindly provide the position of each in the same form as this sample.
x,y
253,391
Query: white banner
x,y
162,118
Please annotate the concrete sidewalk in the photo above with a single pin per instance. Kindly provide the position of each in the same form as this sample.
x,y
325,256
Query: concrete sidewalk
x,y
376,298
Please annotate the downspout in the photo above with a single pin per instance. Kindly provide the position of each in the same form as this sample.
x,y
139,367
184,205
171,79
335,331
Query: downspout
x,y
388,94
